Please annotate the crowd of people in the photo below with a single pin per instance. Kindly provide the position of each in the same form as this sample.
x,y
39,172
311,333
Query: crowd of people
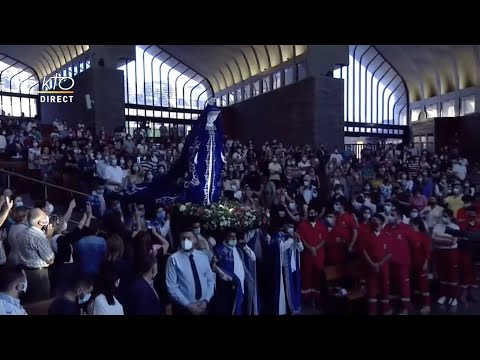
x,y
394,211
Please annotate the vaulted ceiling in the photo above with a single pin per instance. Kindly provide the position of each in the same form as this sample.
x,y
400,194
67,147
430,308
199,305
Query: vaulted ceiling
x,y
428,70
44,59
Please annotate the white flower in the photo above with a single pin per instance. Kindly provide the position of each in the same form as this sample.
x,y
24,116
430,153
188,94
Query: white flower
x,y
183,208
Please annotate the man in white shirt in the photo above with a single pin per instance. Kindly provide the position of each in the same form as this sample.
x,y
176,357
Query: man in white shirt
x,y
432,213
446,251
190,280
459,169
336,155
13,282
304,165
142,148
113,174
275,169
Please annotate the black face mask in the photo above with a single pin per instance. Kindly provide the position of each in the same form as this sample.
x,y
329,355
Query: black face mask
x,y
312,218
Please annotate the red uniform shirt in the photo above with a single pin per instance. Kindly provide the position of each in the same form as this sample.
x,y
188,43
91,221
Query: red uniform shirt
x,y
377,246
346,224
462,217
420,247
402,235
312,235
335,246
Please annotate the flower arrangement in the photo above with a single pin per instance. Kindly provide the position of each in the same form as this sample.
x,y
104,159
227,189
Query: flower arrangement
x,y
224,215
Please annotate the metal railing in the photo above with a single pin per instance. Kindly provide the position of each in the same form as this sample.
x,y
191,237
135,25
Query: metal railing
x,y
44,183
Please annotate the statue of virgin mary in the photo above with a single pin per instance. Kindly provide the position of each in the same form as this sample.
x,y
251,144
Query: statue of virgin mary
x,y
199,165
203,185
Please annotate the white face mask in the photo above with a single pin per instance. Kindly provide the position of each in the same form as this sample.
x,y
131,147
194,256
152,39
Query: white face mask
x,y
187,245
19,203
337,208
290,230
330,221
197,231
413,215
306,183
232,243
367,216
85,299
445,220
388,208
122,161
292,206
234,188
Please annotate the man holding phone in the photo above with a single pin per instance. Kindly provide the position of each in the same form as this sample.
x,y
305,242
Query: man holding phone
x,y
36,255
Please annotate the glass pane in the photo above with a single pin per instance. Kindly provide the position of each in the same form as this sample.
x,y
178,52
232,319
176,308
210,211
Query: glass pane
x,y
33,108
149,113
16,106
126,111
141,112
276,80
266,84
302,71
256,88
6,105
165,114
289,75
247,90
432,111
157,113
415,114
238,93
231,98
132,112
467,105
448,108
188,116
25,102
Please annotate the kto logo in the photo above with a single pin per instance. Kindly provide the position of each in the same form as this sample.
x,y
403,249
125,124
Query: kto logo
x,y
64,83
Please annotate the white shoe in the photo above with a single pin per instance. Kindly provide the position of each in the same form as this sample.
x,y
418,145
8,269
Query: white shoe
x,y
441,300
453,303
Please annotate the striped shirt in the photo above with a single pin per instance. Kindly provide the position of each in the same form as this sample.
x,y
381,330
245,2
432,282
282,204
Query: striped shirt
x,y
35,249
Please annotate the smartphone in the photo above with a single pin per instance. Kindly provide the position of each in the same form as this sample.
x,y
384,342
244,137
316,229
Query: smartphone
x,y
138,160
149,224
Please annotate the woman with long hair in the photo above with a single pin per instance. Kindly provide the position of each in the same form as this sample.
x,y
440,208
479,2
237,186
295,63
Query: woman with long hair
x,y
104,291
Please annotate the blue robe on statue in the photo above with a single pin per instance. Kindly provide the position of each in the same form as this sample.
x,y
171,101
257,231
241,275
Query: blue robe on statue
x,y
199,166
231,298
283,258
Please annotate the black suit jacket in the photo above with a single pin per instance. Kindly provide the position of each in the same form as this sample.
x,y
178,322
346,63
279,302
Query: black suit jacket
x,y
144,301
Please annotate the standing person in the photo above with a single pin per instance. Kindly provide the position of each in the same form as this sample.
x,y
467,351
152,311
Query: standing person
x,y
446,258
20,219
347,225
455,201
13,282
335,245
75,300
104,300
190,280
90,250
144,298
420,260
284,251
36,255
432,213
235,286
313,235
401,235
377,251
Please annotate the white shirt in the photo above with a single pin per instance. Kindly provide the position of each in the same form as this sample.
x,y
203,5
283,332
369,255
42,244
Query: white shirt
x,y
101,307
238,269
3,142
336,156
433,216
100,168
114,173
460,171
439,231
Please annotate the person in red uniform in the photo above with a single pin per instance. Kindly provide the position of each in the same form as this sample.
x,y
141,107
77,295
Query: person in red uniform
x,y
364,229
376,248
347,225
467,221
446,259
420,260
313,235
462,217
335,245
401,235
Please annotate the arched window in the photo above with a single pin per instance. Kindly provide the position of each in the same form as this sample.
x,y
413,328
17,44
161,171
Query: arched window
x,y
18,84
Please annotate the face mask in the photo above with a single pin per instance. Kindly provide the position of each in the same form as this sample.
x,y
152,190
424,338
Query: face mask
x,y
330,221
85,299
232,243
337,208
367,188
135,169
114,162
281,214
445,220
49,209
197,231
367,216
292,206
187,245
63,147
122,162
419,179
338,192
35,144
234,187
306,183
100,192
290,230
467,185
388,208
413,215
391,220
456,191
404,177
312,218
19,203
99,157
